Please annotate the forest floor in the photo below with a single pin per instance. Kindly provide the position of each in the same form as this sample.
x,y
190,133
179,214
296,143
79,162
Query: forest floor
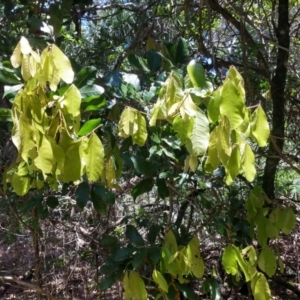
x,y
70,259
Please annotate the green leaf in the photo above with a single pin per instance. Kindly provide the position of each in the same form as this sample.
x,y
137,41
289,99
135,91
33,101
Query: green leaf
x,y
89,126
82,194
267,261
144,186
193,258
52,202
133,236
160,280
213,108
248,163
213,160
261,222
260,129
45,160
196,73
94,158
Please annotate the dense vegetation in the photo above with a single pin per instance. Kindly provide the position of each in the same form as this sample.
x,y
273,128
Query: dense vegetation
x,y
173,127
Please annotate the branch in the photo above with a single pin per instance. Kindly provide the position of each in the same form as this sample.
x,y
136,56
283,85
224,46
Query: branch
x,y
26,285
241,28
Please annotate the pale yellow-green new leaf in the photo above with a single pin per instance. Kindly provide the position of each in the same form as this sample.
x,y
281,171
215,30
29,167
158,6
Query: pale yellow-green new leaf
x,y
127,125
27,137
70,101
170,242
183,128
267,261
233,98
248,163
110,173
139,138
223,140
73,164
160,280
48,75
137,287
197,142
25,68
260,287
234,165
260,129
22,47
62,64
21,184
94,158
126,286
133,124
213,160
229,260
191,162
194,259
45,160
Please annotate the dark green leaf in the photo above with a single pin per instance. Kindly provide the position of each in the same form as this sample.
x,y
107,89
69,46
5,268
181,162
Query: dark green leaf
x,y
139,163
142,187
5,115
133,235
85,76
123,253
107,282
103,194
137,62
139,258
109,241
52,202
154,254
162,188
182,51
89,126
186,291
211,286
82,194
91,90
154,60
153,233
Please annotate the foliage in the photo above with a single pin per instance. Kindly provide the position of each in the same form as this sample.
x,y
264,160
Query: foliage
x,y
131,103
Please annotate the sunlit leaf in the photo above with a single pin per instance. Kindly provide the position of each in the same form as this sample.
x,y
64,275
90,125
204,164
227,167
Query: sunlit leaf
x,y
248,163
260,129
160,280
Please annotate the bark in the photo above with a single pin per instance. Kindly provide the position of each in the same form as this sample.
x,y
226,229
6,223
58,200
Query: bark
x,y
278,84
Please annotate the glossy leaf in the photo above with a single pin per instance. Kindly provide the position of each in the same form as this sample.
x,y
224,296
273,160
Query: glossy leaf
x,y
82,194
89,126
